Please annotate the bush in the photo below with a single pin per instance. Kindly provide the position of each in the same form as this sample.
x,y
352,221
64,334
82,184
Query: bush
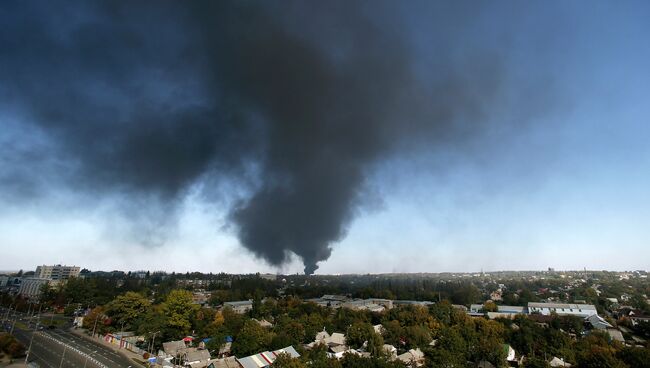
x,y
11,346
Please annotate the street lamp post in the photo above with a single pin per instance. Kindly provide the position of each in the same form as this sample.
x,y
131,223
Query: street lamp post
x,y
7,314
31,340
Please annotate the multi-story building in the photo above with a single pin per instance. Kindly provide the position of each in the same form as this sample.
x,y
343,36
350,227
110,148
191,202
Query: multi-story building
x,y
31,287
56,272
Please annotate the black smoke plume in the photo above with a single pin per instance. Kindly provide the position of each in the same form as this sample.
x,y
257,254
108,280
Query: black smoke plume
x,y
147,99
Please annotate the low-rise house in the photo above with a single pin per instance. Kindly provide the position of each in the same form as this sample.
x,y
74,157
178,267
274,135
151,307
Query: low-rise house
x,y
496,296
193,355
558,362
338,351
321,336
476,308
229,362
266,358
615,335
335,339
224,350
412,358
200,297
511,355
597,322
239,307
174,348
390,351
263,323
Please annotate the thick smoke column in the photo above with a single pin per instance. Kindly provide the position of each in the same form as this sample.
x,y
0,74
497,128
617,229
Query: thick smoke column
x,y
147,101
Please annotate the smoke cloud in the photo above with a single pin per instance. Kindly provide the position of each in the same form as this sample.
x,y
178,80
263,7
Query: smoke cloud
x,y
148,99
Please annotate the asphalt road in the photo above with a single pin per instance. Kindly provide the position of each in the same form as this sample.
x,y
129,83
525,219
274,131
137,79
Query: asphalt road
x,y
54,348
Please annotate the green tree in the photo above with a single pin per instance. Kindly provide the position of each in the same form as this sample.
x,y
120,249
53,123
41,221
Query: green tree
x,y
635,357
251,339
286,361
126,309
317,358
534,362
599,357
490,306
178,310
466,294
357,334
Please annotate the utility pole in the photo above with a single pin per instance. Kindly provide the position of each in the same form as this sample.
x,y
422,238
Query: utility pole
x,y
95,326
13,325
153,340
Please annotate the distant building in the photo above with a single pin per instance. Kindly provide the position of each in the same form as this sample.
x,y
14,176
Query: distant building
x,y
56,272
240,307
580,310
31,287
412,358
4,280
266,358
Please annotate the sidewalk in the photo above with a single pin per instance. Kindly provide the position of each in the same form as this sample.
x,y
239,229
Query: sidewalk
x,y
127,353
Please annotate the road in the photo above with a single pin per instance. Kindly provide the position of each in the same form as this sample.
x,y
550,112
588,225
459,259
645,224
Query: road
x,y
54,348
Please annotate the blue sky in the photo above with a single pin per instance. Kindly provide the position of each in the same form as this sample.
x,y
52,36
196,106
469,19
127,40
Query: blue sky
x,y
551,170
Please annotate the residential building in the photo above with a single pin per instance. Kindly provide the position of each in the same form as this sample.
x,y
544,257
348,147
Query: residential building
x,y
229,362
598,322
558,362
56,272
266,358
412,358
194,356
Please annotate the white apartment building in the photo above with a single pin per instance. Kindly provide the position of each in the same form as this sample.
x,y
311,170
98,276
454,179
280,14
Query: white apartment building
x,y
580,310
56,272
